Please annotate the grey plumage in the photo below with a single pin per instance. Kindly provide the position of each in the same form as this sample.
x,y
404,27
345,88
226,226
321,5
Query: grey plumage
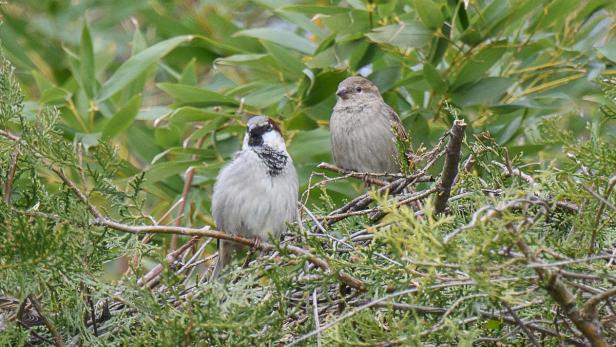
x,y
362,128
256,194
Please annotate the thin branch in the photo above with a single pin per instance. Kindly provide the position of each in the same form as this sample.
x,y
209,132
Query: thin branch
x,y
317,325
188,179
589,309
374,303
589,326
599,197
392,188
9,135
263,246
373,178
93,210
450,168
52,329
521,324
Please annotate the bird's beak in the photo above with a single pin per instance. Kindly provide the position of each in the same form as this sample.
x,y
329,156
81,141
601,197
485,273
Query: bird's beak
x,y
342,92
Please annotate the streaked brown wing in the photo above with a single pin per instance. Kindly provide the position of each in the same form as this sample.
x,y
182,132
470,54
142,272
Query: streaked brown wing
x,y
395,119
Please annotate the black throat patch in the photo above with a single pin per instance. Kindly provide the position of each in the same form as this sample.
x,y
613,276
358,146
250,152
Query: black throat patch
x,y
273,159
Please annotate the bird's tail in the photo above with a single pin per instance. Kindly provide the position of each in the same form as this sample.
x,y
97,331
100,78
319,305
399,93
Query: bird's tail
x,y
225,255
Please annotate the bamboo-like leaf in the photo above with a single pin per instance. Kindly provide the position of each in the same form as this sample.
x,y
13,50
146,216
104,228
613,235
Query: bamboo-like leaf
x,y
123,118
137,64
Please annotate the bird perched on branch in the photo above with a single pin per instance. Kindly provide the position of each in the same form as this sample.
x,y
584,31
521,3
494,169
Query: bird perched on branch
x,y
364,129
256,194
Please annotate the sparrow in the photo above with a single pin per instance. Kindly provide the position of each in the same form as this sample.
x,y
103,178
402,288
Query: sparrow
x,y
255,195
364,129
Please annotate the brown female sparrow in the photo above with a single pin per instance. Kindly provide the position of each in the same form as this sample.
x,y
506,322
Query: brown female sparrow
x,y
255,196
363,129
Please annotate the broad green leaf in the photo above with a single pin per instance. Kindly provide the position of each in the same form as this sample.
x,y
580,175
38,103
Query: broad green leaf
x,y
485,92
434,79
477,65
555,12
123,118
208,127
192,114
261,94
312,10
301,21
282,37
189,74
162,170
325,86
54,95
207,153
609,50
87,63
429,13
404,35
285,59
138,64
152,113
352,23
186,94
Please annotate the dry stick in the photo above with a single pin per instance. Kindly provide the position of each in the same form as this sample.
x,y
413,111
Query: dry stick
x,y
369,176
608,191
315,305
589,326
188,179
374,303
450,168
52,329
589,310
394,187
521,324
150,277
531,326
155,229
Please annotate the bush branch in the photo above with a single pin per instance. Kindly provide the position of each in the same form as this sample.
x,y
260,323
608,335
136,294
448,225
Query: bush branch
x,y
450,168
174,230
57,339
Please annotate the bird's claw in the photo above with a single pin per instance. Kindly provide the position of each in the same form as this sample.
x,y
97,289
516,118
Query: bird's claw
x,y
256,244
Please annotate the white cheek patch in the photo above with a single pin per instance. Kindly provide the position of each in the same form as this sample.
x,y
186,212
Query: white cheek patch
x,y
274,140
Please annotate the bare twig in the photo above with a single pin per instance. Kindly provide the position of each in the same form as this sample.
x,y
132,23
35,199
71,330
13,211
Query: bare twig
x,y
599,197
374,303
394,187
317,325
521,324
589,326
9,135
374,178
188,179
450,168
149,279
589,310
52,329
263,246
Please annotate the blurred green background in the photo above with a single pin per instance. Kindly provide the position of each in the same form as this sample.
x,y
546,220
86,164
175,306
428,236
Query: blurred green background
x,y
171,82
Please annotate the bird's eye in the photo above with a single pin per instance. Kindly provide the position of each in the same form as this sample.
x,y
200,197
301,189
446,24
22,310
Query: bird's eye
x,y
358,89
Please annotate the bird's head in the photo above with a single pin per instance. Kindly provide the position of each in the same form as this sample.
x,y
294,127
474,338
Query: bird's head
x,y
262,131
357,90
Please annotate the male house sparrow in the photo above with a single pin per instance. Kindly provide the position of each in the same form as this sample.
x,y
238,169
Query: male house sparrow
x,y
362,129
256,194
